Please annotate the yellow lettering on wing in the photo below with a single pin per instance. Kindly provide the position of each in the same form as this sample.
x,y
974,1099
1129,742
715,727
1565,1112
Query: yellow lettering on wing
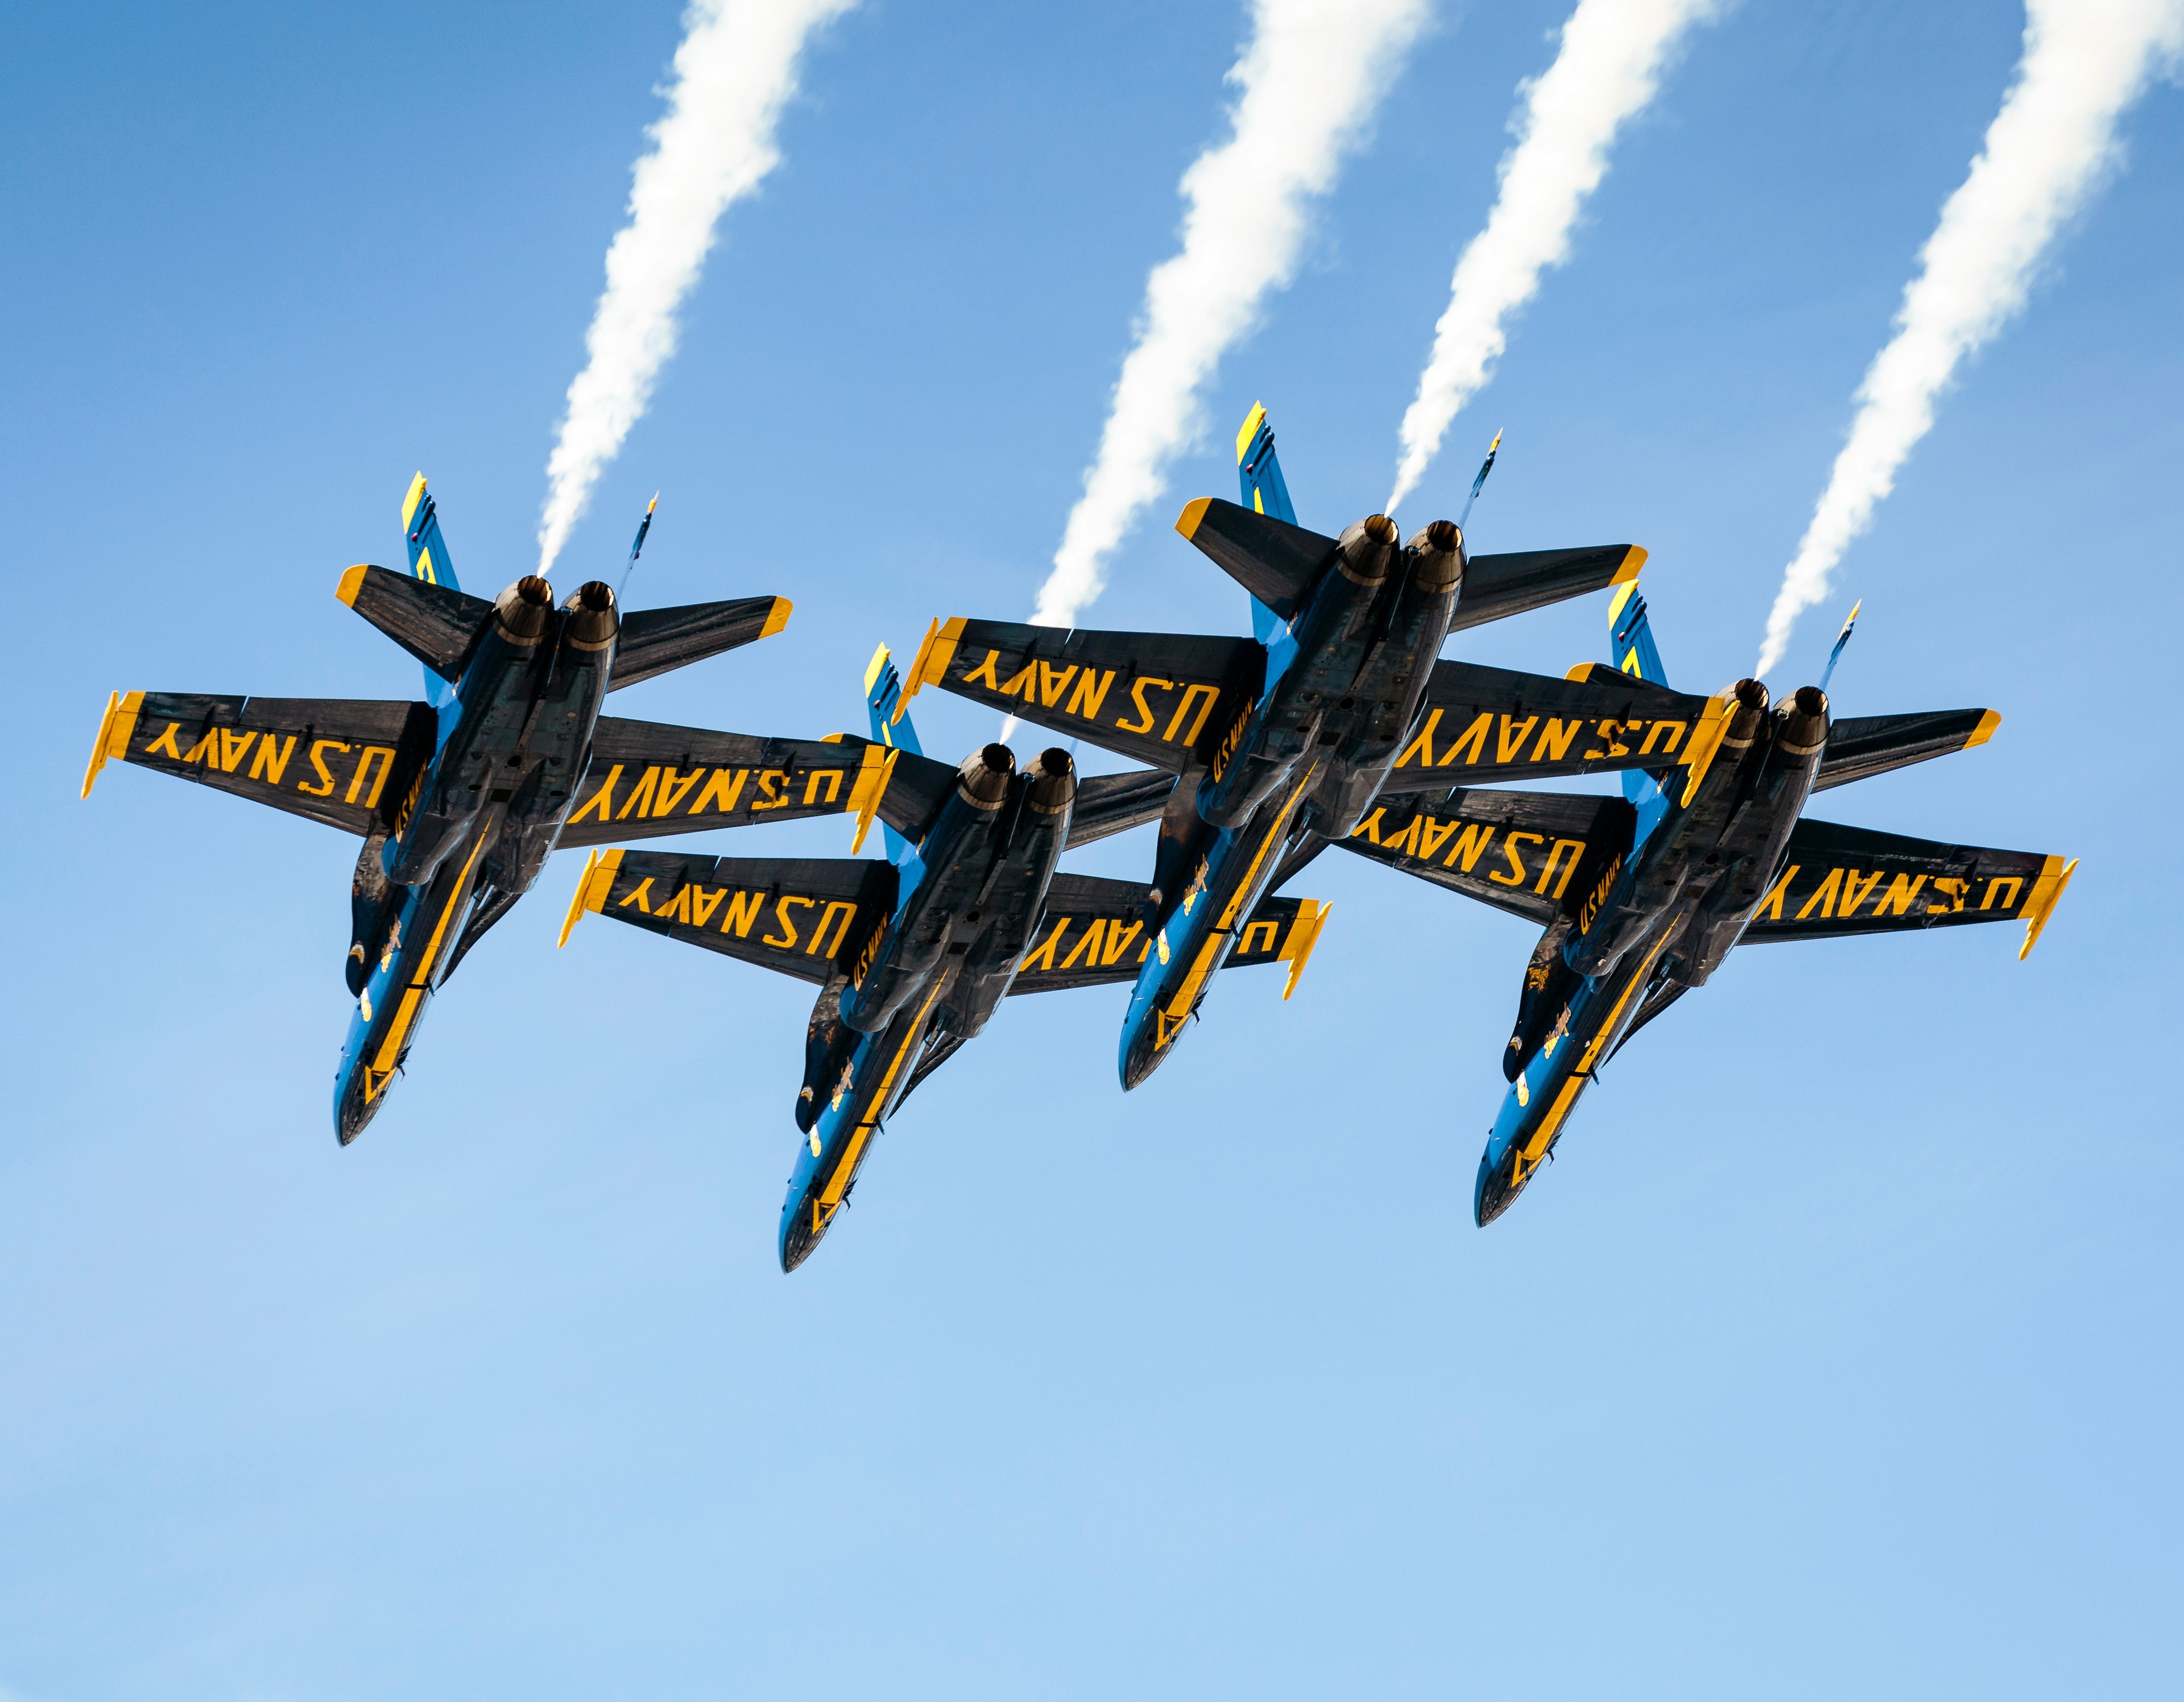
x,y
386,755
1674,730
1407,842
1433,835
1515,877
638,897
677,911
721,793
1855,894
1189,696
1251,942
1370,826
2016,885
1954,890
1510,744
600,802
833,776
1090,942
1470,844
1421,744
1771,905
1823,896
784,922
1053,682
1145,723
207,749
640,803
165,742
703,902
1118,941
1043,957
742,910
1556,738
674,788
770,794
1576,849
1473,744
271,761
1021,683
232,745
984,671
846,912
1086,699
1896,900
325,788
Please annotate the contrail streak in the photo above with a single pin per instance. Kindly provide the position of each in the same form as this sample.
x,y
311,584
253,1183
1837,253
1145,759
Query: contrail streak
x,y
1613,56
734,71
1309,76
2085,61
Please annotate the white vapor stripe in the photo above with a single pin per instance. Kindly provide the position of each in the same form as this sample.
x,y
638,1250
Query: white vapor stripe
x,y
1613,56
1309,75
2085,61
735,70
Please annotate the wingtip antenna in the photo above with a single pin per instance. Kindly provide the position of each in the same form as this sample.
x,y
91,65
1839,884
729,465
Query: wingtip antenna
x,y
1841,638
1479,484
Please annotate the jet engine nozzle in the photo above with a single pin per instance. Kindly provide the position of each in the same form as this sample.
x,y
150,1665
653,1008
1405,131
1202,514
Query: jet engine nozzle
x,y
1053,779
1363,549
983,779
1437,558
594,619
1744,722
522,611
1802,724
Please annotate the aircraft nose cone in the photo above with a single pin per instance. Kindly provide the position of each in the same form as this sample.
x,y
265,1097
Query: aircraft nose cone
x,y
1494,1191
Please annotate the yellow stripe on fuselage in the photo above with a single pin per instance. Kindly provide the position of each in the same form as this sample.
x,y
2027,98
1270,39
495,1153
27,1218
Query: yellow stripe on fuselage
x,y
1202,965
1536,1147
839,1182
413,996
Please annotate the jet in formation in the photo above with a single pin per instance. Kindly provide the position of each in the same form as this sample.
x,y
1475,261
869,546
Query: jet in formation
x,y
460,798
1690,863
913,953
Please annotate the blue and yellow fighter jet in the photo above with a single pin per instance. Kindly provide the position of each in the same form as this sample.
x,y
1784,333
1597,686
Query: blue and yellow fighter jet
x,y
1688,863
912,955
460,799
1283,741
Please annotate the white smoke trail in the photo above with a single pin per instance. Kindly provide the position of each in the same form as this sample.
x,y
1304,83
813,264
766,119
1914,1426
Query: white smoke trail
x,y
1309,77
2085,61
734,71
1613,56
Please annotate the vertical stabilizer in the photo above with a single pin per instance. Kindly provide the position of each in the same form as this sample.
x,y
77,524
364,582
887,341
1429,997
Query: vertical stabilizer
x,y
1265,491
430,562
1630,645
892,726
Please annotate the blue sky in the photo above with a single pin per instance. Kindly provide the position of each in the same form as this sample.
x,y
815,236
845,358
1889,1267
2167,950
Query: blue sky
x,y
1837,1353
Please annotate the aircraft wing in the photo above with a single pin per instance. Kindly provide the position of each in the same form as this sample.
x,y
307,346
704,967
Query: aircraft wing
x,y
801,916
648,778
1155,697
1536,854
1859,746
1837,880
436,624
1498,586
1094,933
347,762
1482,724
1109,803
655,640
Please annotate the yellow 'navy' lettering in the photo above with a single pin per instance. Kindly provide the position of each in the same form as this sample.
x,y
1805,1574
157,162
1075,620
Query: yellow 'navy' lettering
x,y
782,920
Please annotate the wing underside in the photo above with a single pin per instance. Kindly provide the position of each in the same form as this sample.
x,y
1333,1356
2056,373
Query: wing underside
x,y
1535,854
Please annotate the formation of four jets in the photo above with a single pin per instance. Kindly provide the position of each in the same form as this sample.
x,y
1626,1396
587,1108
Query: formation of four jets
x,y
1335,723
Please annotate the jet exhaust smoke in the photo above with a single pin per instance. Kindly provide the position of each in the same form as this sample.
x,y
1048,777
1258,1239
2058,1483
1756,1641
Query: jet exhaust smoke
x,y
2084,62
1613,56
735,70
1309,77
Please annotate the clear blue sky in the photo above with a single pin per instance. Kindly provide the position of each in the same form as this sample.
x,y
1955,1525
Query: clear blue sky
x,y
1837,1355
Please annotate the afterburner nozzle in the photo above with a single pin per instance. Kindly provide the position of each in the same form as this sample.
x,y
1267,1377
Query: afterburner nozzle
x,y
1053,782
1437,557
1802,724
1744,723
523,610
1363,549
983,778
593,620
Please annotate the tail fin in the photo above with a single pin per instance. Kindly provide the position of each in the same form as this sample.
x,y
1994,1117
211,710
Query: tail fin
x,y
1631,643
1259,471
429,561
891,726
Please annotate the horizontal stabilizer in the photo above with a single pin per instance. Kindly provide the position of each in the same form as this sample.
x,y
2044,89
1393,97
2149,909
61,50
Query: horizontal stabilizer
x,y
1275,561
648,778
801,916
1535,854
1496,586
1836,880
1094,933
655,641
1109,803
1482,724
1862,746
436,624
1158,698
347,762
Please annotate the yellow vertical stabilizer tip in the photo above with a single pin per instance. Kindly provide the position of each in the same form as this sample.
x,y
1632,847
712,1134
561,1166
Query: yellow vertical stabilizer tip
x,y
1193,514
1248,431
1633,559
1623,594
2054,882
1985,730
351,583
873,668
777,617
410,503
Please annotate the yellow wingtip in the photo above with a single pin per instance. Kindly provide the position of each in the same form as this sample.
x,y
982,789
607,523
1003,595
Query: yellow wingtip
x,y
777,617
351,583
409,502
115,728
592,889
1582,673
1633,559
873,668
2046,894
1985,730
873,774
930,665
1192,515
1304,935
1249,429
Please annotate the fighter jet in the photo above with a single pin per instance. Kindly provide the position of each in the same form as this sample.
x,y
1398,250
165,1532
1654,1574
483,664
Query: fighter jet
x,y
1688,863
913,953
460,799
1284,741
